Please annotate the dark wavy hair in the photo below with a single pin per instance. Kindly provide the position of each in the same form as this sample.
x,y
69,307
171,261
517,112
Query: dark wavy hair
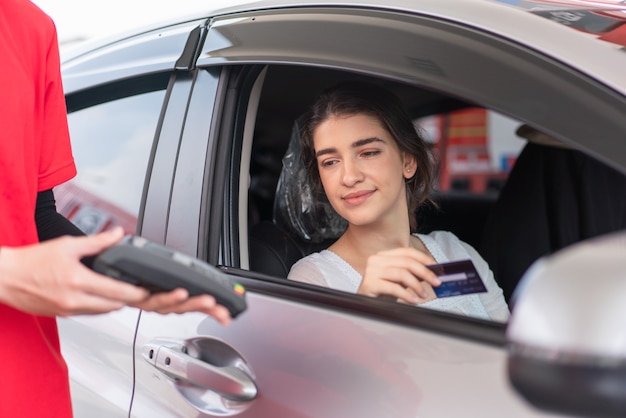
x,y
352,98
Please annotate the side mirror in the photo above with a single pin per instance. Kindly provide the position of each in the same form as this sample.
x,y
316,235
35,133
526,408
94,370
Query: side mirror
x,y
567,331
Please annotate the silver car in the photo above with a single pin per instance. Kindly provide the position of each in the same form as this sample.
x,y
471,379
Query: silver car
x,y
179,133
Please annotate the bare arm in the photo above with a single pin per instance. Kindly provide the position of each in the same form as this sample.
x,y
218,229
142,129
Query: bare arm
x,y
49,278
400,273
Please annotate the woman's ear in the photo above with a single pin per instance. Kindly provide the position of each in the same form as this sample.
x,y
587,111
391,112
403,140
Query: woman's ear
x,y
409,166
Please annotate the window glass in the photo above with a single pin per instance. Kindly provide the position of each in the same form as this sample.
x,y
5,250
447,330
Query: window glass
x,y
475,147
111,142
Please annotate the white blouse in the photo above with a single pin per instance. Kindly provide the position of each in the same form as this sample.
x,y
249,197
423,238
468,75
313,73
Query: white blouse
x,y
328,269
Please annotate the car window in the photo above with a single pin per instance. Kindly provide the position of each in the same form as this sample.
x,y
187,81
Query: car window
x,y
111,143
476,149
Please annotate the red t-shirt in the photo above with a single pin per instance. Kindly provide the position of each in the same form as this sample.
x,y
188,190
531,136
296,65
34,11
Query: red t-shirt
x,y
35,155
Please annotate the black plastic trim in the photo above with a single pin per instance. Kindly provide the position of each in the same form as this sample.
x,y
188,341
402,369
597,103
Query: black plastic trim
x,y
187,60
116,90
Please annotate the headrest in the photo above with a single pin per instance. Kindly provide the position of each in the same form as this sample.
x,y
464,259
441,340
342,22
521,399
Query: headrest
x,y
537,137
297,208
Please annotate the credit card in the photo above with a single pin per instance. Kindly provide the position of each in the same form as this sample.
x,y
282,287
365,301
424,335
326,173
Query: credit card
x,y
457,278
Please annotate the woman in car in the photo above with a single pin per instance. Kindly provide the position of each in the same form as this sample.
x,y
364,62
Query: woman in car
x,y
361,147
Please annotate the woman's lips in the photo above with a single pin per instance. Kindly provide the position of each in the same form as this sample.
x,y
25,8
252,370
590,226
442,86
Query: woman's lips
x,y
356,198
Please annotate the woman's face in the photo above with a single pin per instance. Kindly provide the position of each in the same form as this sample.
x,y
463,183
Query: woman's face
x,y
362,169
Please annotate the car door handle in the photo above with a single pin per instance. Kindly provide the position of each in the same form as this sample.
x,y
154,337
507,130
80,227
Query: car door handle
x,y
229,381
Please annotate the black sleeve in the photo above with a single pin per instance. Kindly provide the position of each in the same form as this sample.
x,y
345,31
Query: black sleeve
x,y
50,223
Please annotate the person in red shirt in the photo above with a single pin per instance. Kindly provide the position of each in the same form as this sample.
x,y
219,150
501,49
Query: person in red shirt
x,y
42,280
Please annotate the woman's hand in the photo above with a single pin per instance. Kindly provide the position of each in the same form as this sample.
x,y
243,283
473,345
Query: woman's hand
x,y
49,279
400,273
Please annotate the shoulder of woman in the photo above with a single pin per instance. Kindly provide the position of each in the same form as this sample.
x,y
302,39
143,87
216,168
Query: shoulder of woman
x,y
312,269
444,238
311,262
313,258
441,234
449,244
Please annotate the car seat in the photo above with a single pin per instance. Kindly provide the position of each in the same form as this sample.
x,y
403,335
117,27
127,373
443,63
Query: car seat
x,y
302,222
555,196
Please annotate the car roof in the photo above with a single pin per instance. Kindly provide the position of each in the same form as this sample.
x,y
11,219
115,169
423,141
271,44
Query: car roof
x,y
551,32
462,11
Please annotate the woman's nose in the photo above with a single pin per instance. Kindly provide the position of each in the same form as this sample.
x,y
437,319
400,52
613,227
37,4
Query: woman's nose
x,y
351,173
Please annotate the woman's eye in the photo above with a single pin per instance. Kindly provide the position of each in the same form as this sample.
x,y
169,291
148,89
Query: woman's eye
x,y
370,153
328,163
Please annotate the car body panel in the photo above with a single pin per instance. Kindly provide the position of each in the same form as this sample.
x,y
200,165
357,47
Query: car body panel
x,y
100,346
306,359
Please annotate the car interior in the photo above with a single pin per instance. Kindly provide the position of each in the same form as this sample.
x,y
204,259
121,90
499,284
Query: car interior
x,y
275,243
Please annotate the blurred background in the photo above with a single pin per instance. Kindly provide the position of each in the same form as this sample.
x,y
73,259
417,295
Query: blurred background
x,y
77,20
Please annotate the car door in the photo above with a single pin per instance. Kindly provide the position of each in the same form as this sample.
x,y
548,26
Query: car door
x,y
301,350
115,95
